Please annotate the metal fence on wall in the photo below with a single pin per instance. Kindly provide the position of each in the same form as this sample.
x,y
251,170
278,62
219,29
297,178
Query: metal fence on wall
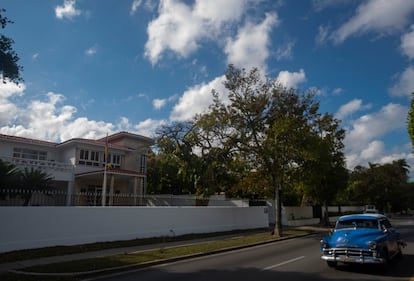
x,y
23,197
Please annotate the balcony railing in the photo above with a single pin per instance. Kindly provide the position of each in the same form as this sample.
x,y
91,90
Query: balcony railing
x,y
41,164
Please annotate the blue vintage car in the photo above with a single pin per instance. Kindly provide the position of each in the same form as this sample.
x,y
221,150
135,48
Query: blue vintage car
x,y
363,239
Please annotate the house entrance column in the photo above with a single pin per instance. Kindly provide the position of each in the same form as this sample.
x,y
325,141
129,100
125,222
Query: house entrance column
x,y
69,193
135,191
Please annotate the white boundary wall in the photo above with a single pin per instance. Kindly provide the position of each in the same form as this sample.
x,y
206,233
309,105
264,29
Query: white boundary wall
x,y
34,227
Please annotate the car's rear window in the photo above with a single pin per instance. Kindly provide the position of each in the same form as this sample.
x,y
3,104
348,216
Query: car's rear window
x,y
357,223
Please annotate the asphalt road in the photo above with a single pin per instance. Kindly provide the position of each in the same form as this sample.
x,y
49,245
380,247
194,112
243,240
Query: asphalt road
x,y
295,259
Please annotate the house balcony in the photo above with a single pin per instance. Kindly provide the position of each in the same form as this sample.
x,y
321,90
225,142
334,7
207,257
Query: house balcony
x,y
49,166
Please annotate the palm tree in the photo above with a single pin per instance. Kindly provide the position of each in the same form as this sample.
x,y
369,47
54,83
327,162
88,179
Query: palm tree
x,y
34,179
9,174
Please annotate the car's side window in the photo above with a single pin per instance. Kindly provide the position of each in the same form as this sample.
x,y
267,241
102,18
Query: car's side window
x,y
385,224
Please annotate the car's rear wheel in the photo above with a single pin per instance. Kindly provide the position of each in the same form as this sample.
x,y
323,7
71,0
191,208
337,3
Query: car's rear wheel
x,y
399,252
332,264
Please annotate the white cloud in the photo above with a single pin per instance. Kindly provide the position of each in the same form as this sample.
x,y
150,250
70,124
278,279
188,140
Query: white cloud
x,y
148,127
319,5
68,10
380,16
363,140
135,6
407,43
91,51
291,79
145,128
405,84
285,51
323,35
159,103
50,119
350,108
376,152
373,150
180,27
197,100
8,110
250,48
337,91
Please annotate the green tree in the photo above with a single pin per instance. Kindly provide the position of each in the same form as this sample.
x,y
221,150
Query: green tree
x,y
266,124
384,185
324,172
9,67
194,168
181,167
9,175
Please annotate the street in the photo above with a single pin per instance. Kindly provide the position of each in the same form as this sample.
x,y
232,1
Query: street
x,y
295,259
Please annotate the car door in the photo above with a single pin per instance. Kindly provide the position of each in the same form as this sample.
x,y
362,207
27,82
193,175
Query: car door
x,y
391,237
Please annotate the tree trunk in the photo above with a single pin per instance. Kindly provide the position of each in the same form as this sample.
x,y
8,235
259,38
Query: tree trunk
x,y
325,215
277,231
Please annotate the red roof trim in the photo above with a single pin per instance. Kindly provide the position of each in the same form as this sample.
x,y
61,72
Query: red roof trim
x,y
100,142
96,142
27,140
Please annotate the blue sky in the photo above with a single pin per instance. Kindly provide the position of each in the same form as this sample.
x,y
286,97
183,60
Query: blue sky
x,y
93,67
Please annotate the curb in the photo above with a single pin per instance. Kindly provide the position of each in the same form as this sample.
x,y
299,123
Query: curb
x,y
98,272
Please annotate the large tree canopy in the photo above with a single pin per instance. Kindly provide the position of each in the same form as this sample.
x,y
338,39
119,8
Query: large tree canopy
x,y
272,128
384,185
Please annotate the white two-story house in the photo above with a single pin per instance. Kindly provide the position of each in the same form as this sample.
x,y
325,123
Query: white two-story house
x,y
78,165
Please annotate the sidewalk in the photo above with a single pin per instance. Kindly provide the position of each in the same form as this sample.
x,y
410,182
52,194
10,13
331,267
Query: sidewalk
x,y
18,265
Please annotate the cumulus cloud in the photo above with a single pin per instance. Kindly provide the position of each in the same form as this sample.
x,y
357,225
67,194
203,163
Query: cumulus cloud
x,y
179,27
407,43
376,152
379,16
148,126
197,100
363,139
291,79
405,83
8,92
250,48
67,10
350,108
53,120
159,103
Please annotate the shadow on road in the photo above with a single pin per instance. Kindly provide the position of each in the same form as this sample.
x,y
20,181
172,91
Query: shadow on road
x,y
401,267
249,274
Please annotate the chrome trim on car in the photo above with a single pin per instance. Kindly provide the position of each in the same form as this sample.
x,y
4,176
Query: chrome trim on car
x,y
352,255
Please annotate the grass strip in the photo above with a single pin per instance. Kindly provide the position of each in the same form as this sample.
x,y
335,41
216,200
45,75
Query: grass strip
x,y
76,249
130,259
154,255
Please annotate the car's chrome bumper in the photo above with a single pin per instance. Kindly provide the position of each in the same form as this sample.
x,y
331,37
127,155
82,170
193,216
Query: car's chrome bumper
x,y
353,255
